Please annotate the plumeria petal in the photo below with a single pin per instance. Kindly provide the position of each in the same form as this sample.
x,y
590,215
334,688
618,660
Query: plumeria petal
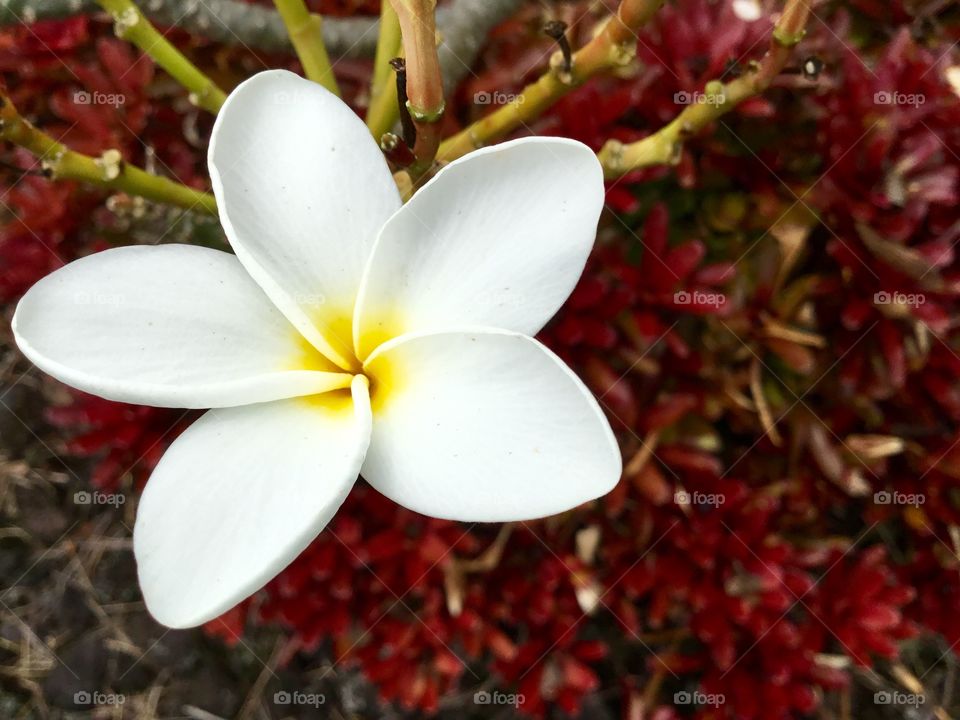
x,y
302,190
239,495
498,238
484,425
170,325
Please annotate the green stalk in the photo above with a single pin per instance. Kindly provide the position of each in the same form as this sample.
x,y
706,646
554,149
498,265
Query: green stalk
x,y
306,34
383,110
108,171
131,25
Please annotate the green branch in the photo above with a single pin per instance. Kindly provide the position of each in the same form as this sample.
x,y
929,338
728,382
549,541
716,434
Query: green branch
x,y
306,34
108,171
719,98
383,109
612,47
131,25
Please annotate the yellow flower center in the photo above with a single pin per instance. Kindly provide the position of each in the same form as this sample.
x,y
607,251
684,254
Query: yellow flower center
x,y
337,330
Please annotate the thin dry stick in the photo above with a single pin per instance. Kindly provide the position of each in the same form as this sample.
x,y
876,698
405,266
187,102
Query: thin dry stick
x,y
664,146
763,407
614,46
456,571
131,25
306,34
640,459
252,702
109,170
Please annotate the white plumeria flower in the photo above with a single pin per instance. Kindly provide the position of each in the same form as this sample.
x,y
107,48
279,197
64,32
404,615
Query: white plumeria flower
x,y
349,334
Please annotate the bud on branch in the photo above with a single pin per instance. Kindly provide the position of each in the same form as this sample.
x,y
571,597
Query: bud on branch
x,y
424,80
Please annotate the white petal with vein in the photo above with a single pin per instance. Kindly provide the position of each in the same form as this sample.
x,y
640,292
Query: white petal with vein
x,y
498,238
239,495
484,425
170,325
302,190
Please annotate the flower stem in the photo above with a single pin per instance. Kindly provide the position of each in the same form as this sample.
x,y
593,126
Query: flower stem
x,y
306,34
131,25
382,112
424,81
665,145
108,171
614,46
399,66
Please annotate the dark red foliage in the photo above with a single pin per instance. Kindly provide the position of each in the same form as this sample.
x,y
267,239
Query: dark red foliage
x,y
121,438
770,324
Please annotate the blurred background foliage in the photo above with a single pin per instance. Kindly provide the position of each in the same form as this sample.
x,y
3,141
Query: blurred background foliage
x,y
770,321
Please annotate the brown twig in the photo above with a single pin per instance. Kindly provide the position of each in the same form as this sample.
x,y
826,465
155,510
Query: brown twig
x,y
252,702
457,569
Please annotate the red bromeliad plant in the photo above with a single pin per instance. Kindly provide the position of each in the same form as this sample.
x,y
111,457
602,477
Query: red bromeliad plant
x,y
768,319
